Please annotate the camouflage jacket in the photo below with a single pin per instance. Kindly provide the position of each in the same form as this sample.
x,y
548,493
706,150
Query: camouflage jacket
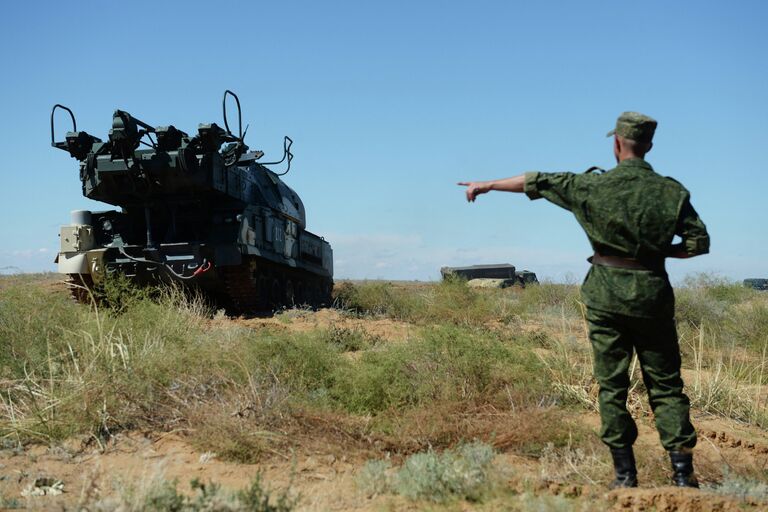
x,y
629,211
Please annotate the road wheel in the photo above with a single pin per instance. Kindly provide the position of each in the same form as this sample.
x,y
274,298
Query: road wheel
x,y
80,287
290,297
300,299
275,297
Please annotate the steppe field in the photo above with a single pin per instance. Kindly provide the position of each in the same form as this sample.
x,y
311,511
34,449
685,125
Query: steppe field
x,y
404,396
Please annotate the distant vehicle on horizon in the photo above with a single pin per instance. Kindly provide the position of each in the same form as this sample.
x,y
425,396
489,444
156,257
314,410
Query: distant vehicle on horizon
x,y
756,283
500,271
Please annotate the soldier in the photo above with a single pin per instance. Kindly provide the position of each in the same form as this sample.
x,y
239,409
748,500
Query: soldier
x,y
630,215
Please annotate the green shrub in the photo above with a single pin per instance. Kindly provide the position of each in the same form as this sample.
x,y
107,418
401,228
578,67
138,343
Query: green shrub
x,y
466,472
375,478
164,497
708,298
453,302
378,298
747,326
444,364
718,287
743,488
31,319
695,307
255,498
117,292
561,298
160,495
448,302
530,502
303,362
350,339
9,503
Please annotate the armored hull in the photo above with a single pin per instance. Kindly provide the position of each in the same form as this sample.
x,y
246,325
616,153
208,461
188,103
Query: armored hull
x,y
201,210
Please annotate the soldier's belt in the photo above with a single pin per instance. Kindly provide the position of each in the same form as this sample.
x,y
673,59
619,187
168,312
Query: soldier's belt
x,y
628,263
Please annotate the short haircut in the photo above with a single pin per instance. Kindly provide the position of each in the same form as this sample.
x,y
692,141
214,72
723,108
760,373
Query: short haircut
x,y
637,147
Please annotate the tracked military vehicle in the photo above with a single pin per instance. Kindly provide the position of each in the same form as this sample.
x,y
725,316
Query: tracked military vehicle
x,y
202,210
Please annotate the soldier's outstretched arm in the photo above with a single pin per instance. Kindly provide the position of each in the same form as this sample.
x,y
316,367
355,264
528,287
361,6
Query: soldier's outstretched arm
x,y
475,188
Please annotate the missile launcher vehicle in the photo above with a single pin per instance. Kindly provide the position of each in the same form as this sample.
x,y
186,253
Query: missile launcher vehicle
x,y
200,210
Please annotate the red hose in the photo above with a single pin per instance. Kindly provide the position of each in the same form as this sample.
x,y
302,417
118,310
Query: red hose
x,y
202,269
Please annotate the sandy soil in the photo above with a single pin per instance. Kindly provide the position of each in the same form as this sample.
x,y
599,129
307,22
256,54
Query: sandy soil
x,y
298,320
322,468
323,474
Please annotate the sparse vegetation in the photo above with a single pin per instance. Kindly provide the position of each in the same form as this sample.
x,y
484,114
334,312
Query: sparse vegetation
x,y
9,503
569,464
511,368
467,472
743,488
161,495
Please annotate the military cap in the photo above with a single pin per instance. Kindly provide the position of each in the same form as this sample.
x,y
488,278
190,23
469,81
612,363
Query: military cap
x,y
634,126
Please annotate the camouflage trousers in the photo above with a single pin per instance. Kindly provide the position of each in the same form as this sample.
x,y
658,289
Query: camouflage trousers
x,y
614,337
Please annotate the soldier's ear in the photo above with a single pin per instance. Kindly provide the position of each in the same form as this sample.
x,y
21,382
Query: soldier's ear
x,y
650,146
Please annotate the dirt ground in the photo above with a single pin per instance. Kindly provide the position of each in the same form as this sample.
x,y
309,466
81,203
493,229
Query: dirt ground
x,y
299,320
323,473
322,468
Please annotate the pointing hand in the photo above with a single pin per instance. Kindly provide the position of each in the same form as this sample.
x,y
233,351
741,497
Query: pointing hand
x,y
474,188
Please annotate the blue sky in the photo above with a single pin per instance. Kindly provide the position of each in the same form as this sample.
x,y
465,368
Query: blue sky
x,y
391,103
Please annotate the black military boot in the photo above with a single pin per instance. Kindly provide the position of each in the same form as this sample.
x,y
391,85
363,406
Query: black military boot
x,y
682,469
624,465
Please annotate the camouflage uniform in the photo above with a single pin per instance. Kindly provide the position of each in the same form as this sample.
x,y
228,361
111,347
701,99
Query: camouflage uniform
x,y
630,212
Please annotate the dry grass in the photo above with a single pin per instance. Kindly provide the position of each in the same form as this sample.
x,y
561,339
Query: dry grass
x,y
511,368
153,492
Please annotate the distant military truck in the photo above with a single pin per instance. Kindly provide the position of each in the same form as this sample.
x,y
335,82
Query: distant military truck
x,y
527,277
756,284
493,276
